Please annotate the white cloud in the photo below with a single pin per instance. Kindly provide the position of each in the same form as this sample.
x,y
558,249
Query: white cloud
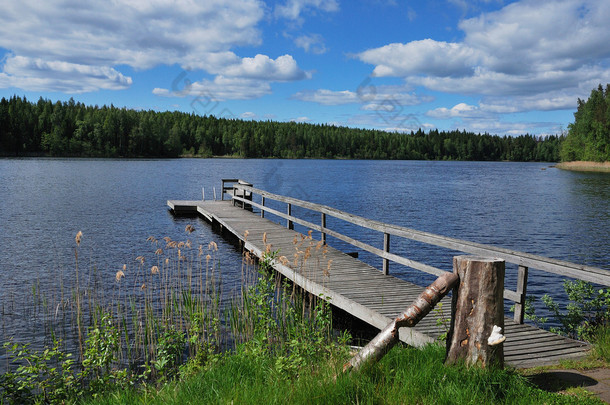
x,y
261,67
531,54
221,88
313,43
495,126
411,14
372,98
248,115
328,97
422,57
292,9
301,119
35,74
92,40
459,110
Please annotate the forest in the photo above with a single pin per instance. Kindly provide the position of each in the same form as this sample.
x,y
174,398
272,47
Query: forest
x,y
589,136
72,129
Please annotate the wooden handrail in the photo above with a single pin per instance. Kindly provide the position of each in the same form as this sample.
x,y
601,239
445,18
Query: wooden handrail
x,y
522,259
561,267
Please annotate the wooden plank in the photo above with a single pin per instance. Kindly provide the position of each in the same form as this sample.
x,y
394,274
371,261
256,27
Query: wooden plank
x,y
364,291
586,273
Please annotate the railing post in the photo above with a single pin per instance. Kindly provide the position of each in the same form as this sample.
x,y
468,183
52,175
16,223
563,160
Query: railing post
x,y
386,248
289,224
323,234
522,290
263,204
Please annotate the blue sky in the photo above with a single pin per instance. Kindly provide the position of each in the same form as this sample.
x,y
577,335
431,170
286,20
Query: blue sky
x,y
503,67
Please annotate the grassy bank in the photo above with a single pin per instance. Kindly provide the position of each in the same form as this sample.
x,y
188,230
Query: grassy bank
x,y
163,337
404,376
582,166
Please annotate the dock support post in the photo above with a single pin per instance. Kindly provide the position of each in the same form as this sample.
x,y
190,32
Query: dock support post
x,y
289,224
477,311
521,289
262,209
323,234
386,248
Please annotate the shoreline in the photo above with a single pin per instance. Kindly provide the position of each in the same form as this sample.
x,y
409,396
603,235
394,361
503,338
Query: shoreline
x,y
585,166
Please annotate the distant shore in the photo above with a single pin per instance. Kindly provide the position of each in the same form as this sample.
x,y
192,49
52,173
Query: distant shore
x,y
582,166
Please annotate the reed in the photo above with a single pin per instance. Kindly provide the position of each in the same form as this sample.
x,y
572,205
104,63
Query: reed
x,y
144,320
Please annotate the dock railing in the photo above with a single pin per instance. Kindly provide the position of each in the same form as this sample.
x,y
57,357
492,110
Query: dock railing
x,y
244,196
242,193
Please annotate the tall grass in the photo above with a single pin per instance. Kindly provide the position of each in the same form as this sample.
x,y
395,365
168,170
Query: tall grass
x,y
164,308
145,319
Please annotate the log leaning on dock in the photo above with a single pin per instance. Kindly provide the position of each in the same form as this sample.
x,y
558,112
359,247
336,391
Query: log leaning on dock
x,y
388,337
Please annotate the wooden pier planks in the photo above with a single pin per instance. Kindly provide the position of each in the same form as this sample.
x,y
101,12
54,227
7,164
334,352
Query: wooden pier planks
x,y
364,291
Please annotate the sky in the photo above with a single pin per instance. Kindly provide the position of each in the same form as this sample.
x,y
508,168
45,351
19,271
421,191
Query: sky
x,y
502,67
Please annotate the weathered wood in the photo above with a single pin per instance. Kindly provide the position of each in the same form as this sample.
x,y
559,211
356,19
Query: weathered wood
x,y
289,223
322,226
561,267
477,307
360,289
263,205
388,337
386,249
519,315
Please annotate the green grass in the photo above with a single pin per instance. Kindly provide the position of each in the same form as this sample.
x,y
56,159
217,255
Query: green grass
x,y
404,376
133,348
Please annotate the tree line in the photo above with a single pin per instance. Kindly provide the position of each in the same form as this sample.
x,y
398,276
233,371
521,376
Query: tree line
x,y
47,128
589,136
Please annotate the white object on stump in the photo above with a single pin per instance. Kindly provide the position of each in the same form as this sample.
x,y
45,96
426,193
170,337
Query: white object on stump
x,y
477,311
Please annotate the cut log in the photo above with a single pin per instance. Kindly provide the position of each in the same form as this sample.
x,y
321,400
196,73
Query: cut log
x,y
477,307
388,337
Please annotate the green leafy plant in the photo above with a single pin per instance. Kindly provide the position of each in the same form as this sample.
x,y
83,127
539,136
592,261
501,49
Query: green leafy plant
x,y
443,321
170,352
530,312
588,308
40,377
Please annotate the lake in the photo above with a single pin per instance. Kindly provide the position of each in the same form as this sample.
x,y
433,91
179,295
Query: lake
x,y
118,204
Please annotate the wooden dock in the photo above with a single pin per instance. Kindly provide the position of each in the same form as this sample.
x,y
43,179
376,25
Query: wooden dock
x,y
358,288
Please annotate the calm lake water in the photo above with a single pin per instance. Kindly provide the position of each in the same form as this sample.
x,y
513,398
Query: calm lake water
x,y
117,204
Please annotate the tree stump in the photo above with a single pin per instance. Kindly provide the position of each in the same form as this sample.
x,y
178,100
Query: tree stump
x,y
477,306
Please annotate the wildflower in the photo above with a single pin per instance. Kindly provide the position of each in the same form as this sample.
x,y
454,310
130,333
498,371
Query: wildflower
x,y
159,252
140,259
213,246
189,228
154,270
119,275
79,236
